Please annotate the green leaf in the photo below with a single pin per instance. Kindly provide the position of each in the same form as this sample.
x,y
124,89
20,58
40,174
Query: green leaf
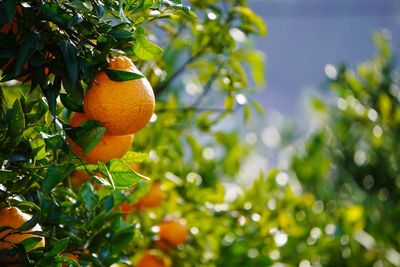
x,y
55,174
7,175
30,44
121,34
134,157
385,106
108,203
99,8
107,175
89,197
12,127
54,141
253,18
56,14
30,243
258,107
123,175
7,8
76,19
122,238
229,102
246,113
17,124
52,91
70,104
120,75
28,225
87,135
57,248
69,53
145,49
27,205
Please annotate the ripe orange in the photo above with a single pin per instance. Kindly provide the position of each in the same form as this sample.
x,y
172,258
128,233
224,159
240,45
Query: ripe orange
x,y
126,208
154,197
123,107
171,233
78,177
8,26
109,147
150,259
13,217
12,25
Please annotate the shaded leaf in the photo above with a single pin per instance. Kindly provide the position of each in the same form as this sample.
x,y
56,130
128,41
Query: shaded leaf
x,y
108,203
54,141
69,53
89,197
55,174
57,247
30,44
122,238
87,135
70,104
28,225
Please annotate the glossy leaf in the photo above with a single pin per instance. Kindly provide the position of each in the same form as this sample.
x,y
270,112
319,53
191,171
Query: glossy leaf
x,y
145,49
55,175
120,76
57,247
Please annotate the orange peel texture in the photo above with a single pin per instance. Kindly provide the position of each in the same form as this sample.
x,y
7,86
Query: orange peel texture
x,y
122,107
108,148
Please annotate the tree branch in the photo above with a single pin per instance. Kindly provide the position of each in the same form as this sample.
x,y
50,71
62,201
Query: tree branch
x,y
207,88
159,89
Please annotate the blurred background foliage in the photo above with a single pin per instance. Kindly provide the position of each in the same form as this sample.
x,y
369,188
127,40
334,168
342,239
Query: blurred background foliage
x,y
335,205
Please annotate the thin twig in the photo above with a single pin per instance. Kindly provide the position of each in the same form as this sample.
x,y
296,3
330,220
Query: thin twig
x,y
159,89
207,88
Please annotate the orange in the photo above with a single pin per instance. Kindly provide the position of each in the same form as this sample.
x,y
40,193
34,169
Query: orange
x,y
126,208
78,177
108,148
171,233
12,25
122,107
9,26
150,259
71,256
13,217
154,197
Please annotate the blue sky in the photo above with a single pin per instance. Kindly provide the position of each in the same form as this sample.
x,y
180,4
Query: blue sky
x,y
305,35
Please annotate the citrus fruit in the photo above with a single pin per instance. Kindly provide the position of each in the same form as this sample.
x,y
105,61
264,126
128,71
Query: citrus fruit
x,y
9,26
123,107
154,197
171,233
14,218
151,259
126,208
12,25
78,177
108,148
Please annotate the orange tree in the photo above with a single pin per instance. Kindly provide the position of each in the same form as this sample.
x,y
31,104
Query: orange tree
x,y
164,202
62,51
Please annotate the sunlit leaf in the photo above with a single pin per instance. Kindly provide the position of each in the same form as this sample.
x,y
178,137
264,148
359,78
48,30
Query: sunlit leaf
x,y
144,48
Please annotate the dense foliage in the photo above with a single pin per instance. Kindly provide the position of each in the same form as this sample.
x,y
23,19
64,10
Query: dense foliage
x,y
334,206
